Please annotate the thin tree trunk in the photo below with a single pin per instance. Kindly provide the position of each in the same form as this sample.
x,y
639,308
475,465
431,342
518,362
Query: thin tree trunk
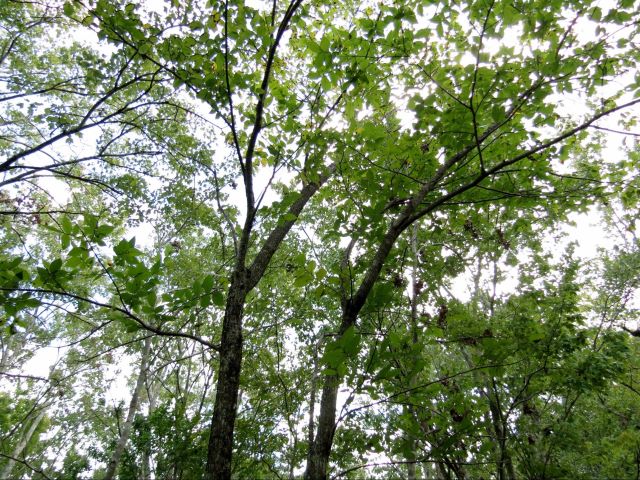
x,y
411,458
5,352
292,465
415,291
18,451
145,468
504,464
443,472
458,470
313,393
352,303
320,447
112,466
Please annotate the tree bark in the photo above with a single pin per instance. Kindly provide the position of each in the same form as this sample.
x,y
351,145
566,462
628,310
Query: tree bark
x,y
415,291
17,452
228,384
412,211
319,451
313,393
353,303
351,307
320,448
112,466
505,468
318,458
244,279
145,468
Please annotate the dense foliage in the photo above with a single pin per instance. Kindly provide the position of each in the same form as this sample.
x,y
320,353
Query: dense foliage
x,y
319,239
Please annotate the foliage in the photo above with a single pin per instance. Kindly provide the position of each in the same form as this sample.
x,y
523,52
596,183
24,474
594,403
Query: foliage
x,y
337,227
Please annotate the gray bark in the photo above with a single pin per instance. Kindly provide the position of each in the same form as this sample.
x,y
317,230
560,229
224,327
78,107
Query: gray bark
x,y
228,384
145,469
112,466
415,291
18,451
313,393
351,305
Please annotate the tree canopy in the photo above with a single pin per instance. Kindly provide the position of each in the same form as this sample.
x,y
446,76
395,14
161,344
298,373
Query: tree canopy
x,y
318,239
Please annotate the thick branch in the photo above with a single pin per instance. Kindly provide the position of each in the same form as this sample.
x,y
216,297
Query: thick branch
x,y
275,238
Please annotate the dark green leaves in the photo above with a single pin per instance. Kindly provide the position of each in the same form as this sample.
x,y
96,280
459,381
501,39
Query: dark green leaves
x,y
126,251
13,276
339,352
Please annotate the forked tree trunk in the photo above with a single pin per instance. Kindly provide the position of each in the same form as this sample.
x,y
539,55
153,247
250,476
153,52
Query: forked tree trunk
x,y
112,466
320,450
443,473
244,279
353,303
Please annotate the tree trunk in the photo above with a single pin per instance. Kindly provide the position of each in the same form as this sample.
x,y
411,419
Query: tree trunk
x,y
443,473
318,459
411,467
415,291
5,352
320,449
313,393
112,466
353,303
504,464
243,281
228,384
18,451
145,468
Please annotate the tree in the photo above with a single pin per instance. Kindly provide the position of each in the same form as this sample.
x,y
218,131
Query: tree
x,y
286,149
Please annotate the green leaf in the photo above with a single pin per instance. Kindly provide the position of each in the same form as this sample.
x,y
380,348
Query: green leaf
x,y
333,357
74,262
55,266
207,283
66,225
130,325
218,298
350,341
69,9
303,279
103,230
205,300
288,217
